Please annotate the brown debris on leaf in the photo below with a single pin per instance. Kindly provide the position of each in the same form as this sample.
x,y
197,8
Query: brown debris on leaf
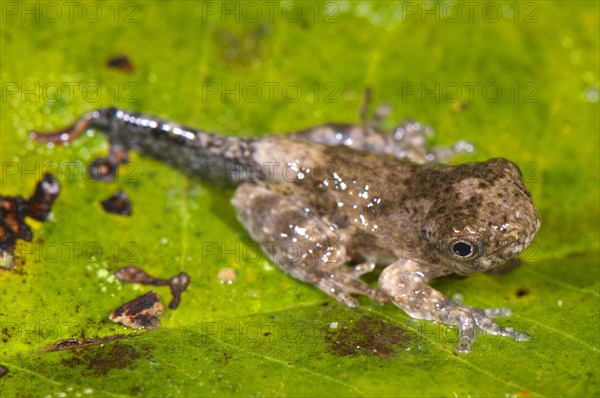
x,y
132,274
14,209
141,312
178,284
227,275
3,370
118,203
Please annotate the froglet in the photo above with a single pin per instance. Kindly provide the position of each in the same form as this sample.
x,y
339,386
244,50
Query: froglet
x,y
329,203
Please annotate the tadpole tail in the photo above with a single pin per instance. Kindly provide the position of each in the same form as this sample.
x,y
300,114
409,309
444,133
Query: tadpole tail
x,y
219,158
97,118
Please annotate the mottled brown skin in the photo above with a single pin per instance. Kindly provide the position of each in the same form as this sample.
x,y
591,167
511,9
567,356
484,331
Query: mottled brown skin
x,y
328,213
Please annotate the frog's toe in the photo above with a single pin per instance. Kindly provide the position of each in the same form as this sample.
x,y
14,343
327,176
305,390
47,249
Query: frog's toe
x,y
508,332
338,292
464,344
348,300
466,336
363,288
363,268
463,146
342,284
380,297
357,286
444,154
490,327
467,332
497,312
468,319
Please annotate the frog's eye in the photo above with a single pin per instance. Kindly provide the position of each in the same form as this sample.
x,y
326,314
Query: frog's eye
x,y
464,248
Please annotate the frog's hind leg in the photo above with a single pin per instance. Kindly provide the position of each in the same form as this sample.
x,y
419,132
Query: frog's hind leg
x,y
300,243
365,136
407,141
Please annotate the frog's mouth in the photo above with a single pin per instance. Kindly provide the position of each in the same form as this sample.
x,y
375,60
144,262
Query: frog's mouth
x,y
513,249
509,251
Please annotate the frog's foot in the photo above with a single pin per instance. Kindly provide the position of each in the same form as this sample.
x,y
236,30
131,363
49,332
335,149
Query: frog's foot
x,y
407,287
469,319
344,281
444,154
410,142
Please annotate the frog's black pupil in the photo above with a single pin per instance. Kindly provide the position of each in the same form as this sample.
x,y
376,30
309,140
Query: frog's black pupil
x,y
462,249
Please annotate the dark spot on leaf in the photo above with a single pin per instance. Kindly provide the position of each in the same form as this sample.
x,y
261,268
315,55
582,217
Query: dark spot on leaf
x,y
120,62
522,292
68,344
241,45
227,356
367,336
74,343
6,335
222,360
3,371
101,360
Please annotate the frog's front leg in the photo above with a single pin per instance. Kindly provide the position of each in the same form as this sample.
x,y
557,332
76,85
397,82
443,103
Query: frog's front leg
x,y
407,287
301,243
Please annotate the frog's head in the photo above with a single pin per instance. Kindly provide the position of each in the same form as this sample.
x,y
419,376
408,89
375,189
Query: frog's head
x,y
488,217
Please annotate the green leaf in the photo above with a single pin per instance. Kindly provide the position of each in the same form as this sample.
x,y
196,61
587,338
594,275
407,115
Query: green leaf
x,y
267,334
